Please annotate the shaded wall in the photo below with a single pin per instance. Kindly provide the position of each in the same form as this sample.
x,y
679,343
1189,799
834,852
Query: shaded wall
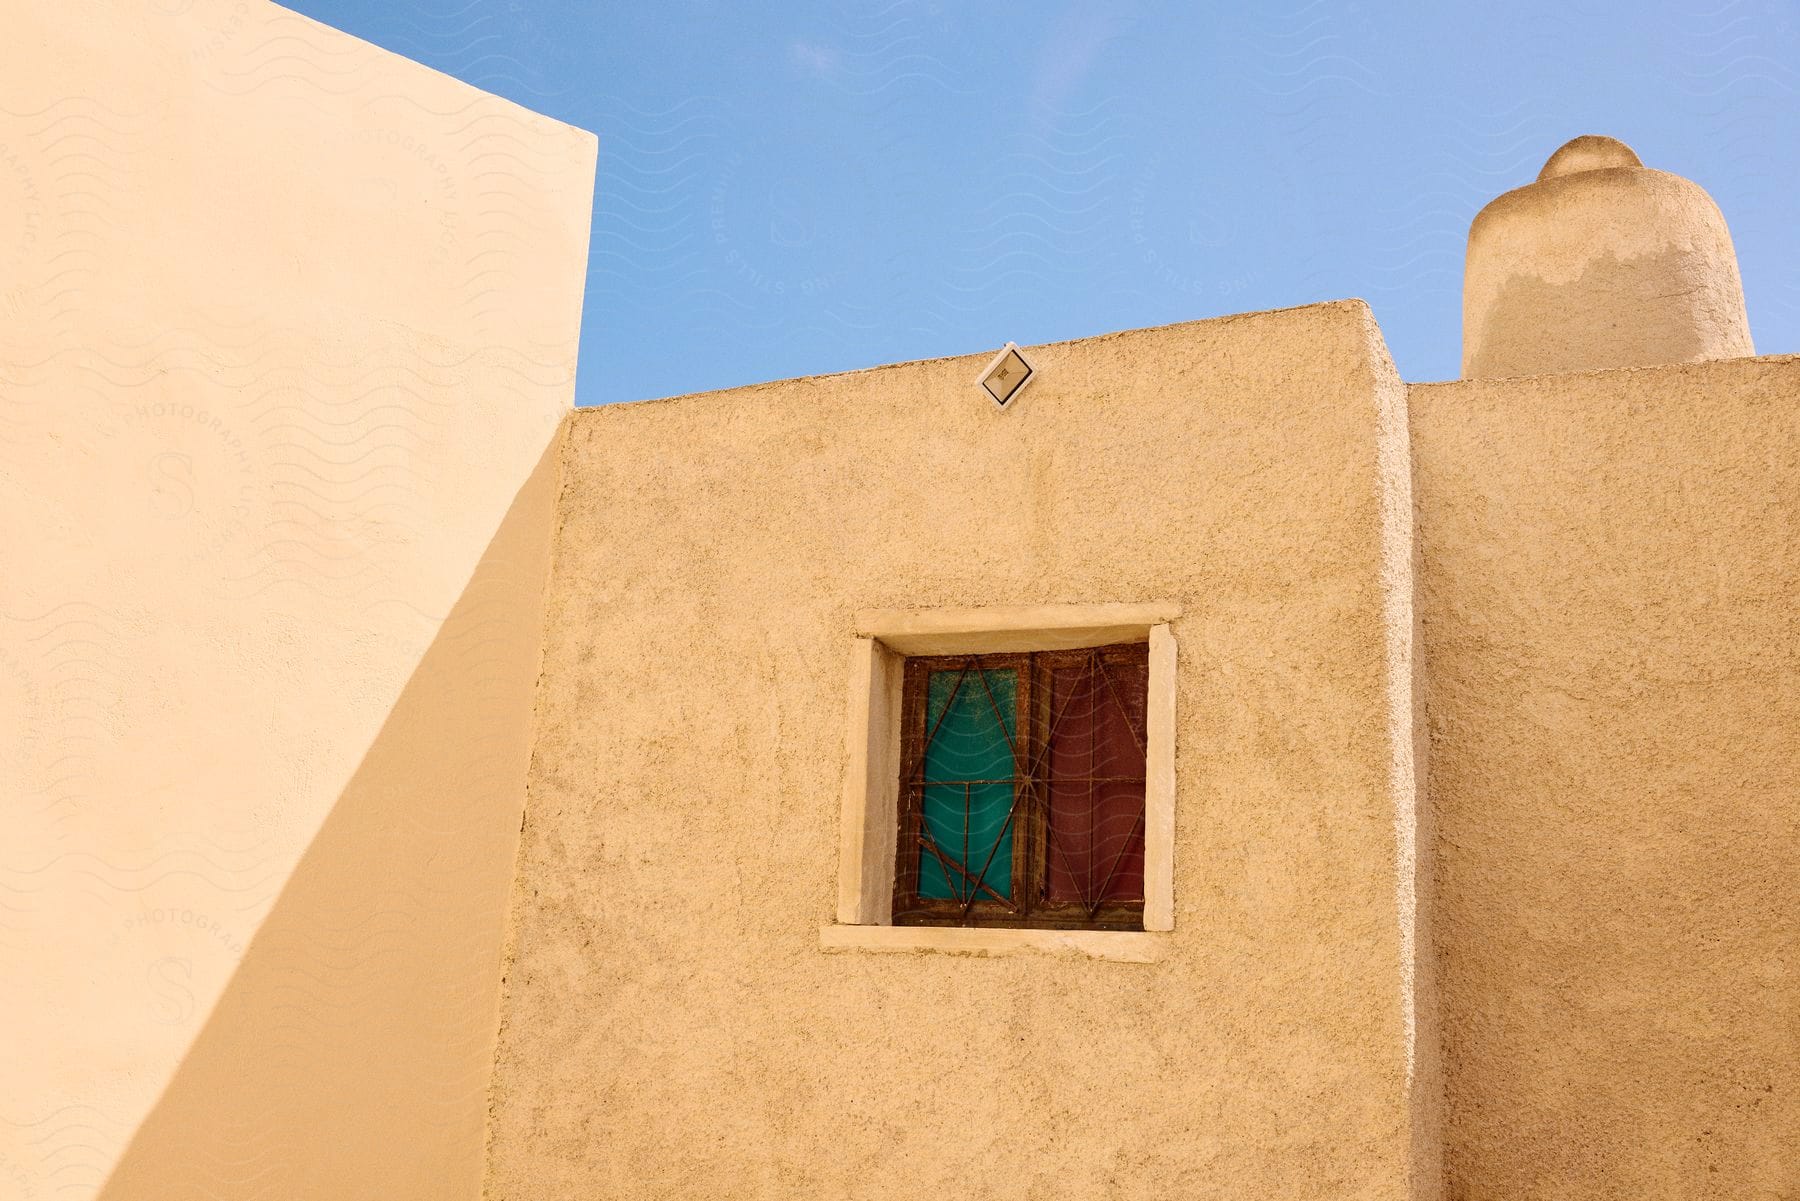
x,y
671,1026
351,1051
286,326
1610,590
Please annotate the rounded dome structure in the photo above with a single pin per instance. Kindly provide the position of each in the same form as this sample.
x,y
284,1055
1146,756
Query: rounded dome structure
x,y
1589,152
1601,263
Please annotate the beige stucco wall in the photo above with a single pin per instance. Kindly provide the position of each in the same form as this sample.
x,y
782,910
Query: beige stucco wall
x,y
287,326
672,1027
1610,591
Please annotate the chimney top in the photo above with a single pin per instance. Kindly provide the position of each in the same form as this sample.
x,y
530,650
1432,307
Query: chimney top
x,y
1589,152
1602,262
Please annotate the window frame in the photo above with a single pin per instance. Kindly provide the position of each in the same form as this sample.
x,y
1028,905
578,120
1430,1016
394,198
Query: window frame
x,y
880,642
1027,908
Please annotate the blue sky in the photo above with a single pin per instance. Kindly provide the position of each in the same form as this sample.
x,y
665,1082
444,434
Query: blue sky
x,y
797,188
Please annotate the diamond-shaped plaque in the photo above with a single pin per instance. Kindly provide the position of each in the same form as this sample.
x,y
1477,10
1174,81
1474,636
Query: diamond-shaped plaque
x,y
1006,375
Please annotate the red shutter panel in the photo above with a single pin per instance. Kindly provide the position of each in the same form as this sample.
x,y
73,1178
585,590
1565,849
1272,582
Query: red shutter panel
x,y
1095,767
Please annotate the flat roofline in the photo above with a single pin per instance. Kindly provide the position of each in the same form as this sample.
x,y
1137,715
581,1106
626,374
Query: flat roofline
x,y
1352,303
1593,371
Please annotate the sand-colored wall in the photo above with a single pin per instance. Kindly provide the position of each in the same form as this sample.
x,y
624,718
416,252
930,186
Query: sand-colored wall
x,y
1610,597
672,1027
287,326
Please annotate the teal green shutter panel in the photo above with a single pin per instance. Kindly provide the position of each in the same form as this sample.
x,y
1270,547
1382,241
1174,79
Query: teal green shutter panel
x,y
970,720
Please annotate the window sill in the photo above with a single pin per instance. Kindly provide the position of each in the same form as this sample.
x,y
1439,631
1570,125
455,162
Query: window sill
x,y
1121,946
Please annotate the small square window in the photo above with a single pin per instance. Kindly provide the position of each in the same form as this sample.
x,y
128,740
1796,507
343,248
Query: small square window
x,y
1021,791
1010,782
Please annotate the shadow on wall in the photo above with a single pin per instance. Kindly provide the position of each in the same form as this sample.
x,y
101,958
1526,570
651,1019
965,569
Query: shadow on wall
x,y
1552,326
349,1056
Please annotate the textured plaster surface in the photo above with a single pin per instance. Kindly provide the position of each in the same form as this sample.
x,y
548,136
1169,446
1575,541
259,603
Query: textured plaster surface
x,y
672,1027
1611,578
1598,265
1589,152
287,326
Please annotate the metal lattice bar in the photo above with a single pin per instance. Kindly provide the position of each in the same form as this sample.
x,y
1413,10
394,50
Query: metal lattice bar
x,y
1054,817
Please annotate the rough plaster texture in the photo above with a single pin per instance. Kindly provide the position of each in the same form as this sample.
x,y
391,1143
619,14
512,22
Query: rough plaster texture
x,y
1600,263
287,325
672,1027
286,328
1610,584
